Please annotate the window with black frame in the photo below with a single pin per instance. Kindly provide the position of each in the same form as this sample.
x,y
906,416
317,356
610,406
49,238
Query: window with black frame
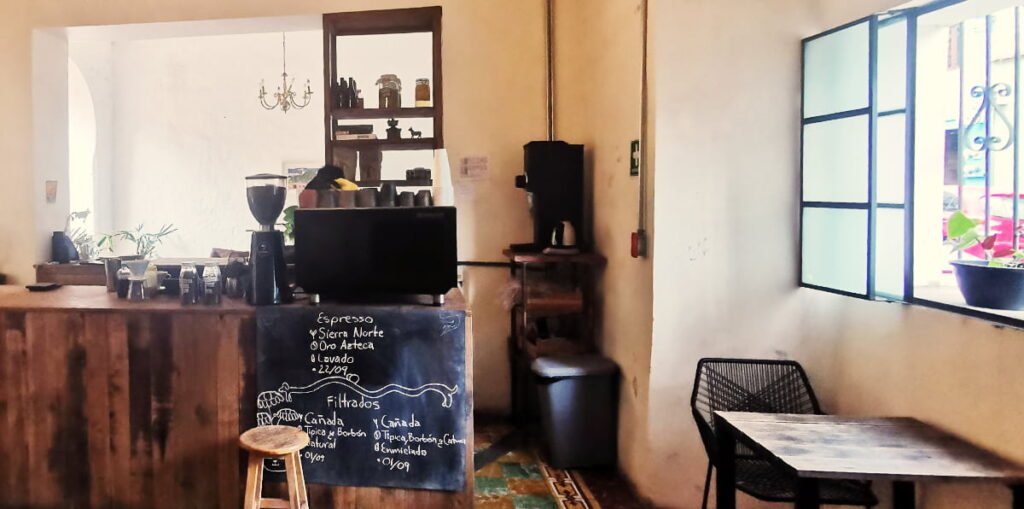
x,y
911,161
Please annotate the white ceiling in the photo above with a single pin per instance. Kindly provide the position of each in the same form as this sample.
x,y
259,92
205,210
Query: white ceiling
x,y
140,31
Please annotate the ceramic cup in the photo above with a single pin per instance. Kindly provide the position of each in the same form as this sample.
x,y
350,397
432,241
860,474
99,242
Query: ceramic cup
x,y
406,199
423,198
366,197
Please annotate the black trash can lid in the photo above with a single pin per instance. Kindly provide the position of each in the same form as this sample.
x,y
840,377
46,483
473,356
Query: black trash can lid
x,y
573,366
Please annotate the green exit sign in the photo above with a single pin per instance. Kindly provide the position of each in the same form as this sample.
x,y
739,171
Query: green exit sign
x,y
634,158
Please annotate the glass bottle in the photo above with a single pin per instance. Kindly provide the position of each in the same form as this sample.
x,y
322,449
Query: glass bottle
x,y
343,93
422,93
211,284
188,282
390,92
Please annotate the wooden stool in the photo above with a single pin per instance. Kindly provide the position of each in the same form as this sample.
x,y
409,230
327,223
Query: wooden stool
x,y
275,442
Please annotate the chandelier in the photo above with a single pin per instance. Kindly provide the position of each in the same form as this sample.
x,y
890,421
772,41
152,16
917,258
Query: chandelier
x,y
284,97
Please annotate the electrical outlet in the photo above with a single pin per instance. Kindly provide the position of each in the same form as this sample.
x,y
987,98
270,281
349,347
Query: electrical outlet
x,y
634,158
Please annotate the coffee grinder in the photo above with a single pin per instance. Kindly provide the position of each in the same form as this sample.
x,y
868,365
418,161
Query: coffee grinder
x,y
266,194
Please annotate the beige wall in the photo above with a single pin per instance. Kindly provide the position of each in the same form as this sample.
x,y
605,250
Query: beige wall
x,y
728,105
494,103
598,49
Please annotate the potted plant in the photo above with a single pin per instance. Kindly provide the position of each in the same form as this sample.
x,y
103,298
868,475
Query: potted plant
x,y
75,230
145,242
994,281
145,247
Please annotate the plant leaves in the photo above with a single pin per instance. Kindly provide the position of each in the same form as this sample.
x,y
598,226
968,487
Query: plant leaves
x,y
968,238
959,224
995,263
989,242
1004,252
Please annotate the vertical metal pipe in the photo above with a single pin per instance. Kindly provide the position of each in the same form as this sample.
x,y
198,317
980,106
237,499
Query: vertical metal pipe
x,y
642,164
961,132
910,154
988,122
872,212
550,43
1013,130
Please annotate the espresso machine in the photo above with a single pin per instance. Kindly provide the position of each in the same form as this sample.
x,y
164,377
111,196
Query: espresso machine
x,y
554,183
266,194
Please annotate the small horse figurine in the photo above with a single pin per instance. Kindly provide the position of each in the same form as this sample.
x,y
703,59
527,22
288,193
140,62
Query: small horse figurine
x,y
415,133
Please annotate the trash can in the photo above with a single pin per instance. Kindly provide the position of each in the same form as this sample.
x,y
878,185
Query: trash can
x,y
578,398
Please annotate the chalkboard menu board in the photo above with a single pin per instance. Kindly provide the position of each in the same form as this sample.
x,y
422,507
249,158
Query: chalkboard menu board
x,y
380,391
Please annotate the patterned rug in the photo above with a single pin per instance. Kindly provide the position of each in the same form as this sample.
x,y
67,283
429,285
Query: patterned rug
x,y
520,480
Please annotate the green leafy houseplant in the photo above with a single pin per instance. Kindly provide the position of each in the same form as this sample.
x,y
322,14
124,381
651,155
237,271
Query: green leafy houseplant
x,y
145,242
289,222
964,233
996,281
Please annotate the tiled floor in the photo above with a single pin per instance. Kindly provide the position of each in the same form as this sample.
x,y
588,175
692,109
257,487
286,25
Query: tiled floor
x,y
519,479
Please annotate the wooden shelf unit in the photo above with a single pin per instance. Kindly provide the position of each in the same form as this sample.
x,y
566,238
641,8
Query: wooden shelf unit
x,y
556,296
392,21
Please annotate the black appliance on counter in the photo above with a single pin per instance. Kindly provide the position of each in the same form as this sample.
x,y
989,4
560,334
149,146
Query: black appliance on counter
x,y
376,253
554,182
266,195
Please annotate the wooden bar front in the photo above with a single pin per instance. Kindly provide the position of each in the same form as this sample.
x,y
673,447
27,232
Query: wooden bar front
x,y
108,403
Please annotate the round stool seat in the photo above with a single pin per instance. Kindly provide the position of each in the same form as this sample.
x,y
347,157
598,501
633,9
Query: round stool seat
x,y
274,440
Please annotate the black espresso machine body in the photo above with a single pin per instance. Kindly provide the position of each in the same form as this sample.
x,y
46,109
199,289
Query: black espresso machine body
x,y
554,181
376,252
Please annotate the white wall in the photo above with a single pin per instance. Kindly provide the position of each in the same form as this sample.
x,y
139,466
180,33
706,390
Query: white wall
x,y
187,128
95,61
50,126
727,97
602,45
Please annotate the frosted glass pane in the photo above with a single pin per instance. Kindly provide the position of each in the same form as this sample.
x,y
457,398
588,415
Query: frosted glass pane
x,y
836,72
889,234
892,66
835,248
836,160
891,158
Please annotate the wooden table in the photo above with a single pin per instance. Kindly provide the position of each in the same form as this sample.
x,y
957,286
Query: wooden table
x,y
898,449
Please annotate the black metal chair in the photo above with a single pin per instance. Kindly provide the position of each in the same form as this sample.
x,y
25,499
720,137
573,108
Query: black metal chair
x,y
767,386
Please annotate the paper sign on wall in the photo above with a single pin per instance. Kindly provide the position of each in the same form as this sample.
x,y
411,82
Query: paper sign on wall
x,y
474,168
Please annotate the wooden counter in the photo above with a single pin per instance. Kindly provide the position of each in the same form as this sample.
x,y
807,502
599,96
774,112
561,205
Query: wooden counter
x,y
105,402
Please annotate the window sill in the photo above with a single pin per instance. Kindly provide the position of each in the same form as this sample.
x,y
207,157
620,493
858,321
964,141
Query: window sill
x,y
948,298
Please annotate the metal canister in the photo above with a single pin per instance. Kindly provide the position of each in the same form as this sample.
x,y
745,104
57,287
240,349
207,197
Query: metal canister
x,y
188,282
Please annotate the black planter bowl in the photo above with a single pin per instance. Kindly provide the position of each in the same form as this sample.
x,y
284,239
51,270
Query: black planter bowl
x,y
990,287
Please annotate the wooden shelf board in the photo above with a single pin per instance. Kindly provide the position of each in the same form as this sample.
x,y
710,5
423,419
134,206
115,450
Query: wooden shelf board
x,y
586,258
399,183
554,304
374,113
541,347
385,144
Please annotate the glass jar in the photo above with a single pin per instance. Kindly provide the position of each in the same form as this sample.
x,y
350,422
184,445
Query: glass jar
x,y
422,93
211,284
390,92
123,275
188,283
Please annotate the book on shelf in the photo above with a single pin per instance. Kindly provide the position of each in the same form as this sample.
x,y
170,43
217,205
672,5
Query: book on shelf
x,y
343,137
354,129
